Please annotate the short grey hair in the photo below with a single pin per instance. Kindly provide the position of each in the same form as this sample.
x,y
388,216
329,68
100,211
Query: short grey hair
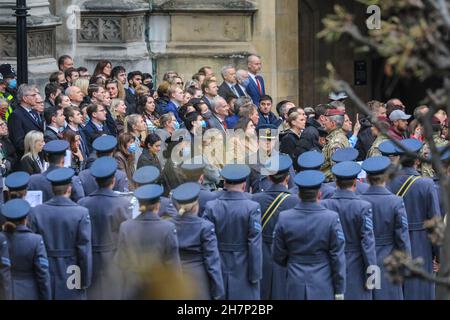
x,y
253,55
240,74
215,102
225,69
23,90
339,120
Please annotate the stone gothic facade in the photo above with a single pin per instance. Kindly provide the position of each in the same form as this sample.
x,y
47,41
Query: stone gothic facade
x,y
160,35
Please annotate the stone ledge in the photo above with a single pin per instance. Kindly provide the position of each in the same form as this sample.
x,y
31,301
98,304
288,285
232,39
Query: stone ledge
x,y
206,50
115,6
245,6
32,21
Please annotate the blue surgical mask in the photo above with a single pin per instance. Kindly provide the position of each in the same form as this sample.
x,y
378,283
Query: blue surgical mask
x,y
245,83
12,84
176,125
207,115
203,124
132,148
86,120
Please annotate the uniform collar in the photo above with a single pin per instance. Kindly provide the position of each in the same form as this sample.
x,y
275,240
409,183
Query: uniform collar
x,y
377,190
344,194
22,228
278,188
409,172
233,195
60,201
149,216
309,206
104,192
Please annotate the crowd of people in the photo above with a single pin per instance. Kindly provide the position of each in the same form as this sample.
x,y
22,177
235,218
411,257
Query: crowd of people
x,y
221,179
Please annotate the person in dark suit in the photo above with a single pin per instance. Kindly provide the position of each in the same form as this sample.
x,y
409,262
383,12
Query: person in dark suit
x,y
229,84
32,162
176,100
219,109
210,91
266,116
134,80
74,120
24,119
256,88
54,119
96,126
100,96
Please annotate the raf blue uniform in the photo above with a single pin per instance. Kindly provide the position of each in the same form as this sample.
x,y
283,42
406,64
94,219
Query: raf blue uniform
x,y
313,160
103,145
40,181
390,226
5,270
195,170
30,277
148,175
342,155
16,181
272,201
66,229
258,180
356,220
147,236
107,210
198,249
421,203
309,242
238,229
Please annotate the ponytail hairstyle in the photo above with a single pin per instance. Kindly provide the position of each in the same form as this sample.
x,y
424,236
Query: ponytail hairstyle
x,y
10,226
187,207
145,206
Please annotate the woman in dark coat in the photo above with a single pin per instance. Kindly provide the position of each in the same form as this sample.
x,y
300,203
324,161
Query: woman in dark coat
x,y
32,162
149,156
290,143
29,265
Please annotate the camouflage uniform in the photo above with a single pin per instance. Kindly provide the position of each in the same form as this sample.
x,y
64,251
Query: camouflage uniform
x,y
336,139
373,151
426,168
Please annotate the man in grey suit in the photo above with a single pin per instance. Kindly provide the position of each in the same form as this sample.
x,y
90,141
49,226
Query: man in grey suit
x,y
228,87
220,110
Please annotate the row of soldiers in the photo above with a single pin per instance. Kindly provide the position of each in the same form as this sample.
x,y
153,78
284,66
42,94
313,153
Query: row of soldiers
x,y
312,240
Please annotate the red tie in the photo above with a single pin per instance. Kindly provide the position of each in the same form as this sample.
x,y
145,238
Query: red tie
x,y
259,85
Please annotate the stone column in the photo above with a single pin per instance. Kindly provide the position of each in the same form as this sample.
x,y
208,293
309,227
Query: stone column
x,y
41,39
113,30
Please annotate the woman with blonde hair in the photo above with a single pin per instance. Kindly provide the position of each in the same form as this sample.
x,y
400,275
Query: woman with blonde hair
x,y
197,244
83,84
136,126
31,161
244,142
118,112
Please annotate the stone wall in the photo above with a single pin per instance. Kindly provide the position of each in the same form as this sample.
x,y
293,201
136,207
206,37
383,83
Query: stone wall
x,y
41,39
184,35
